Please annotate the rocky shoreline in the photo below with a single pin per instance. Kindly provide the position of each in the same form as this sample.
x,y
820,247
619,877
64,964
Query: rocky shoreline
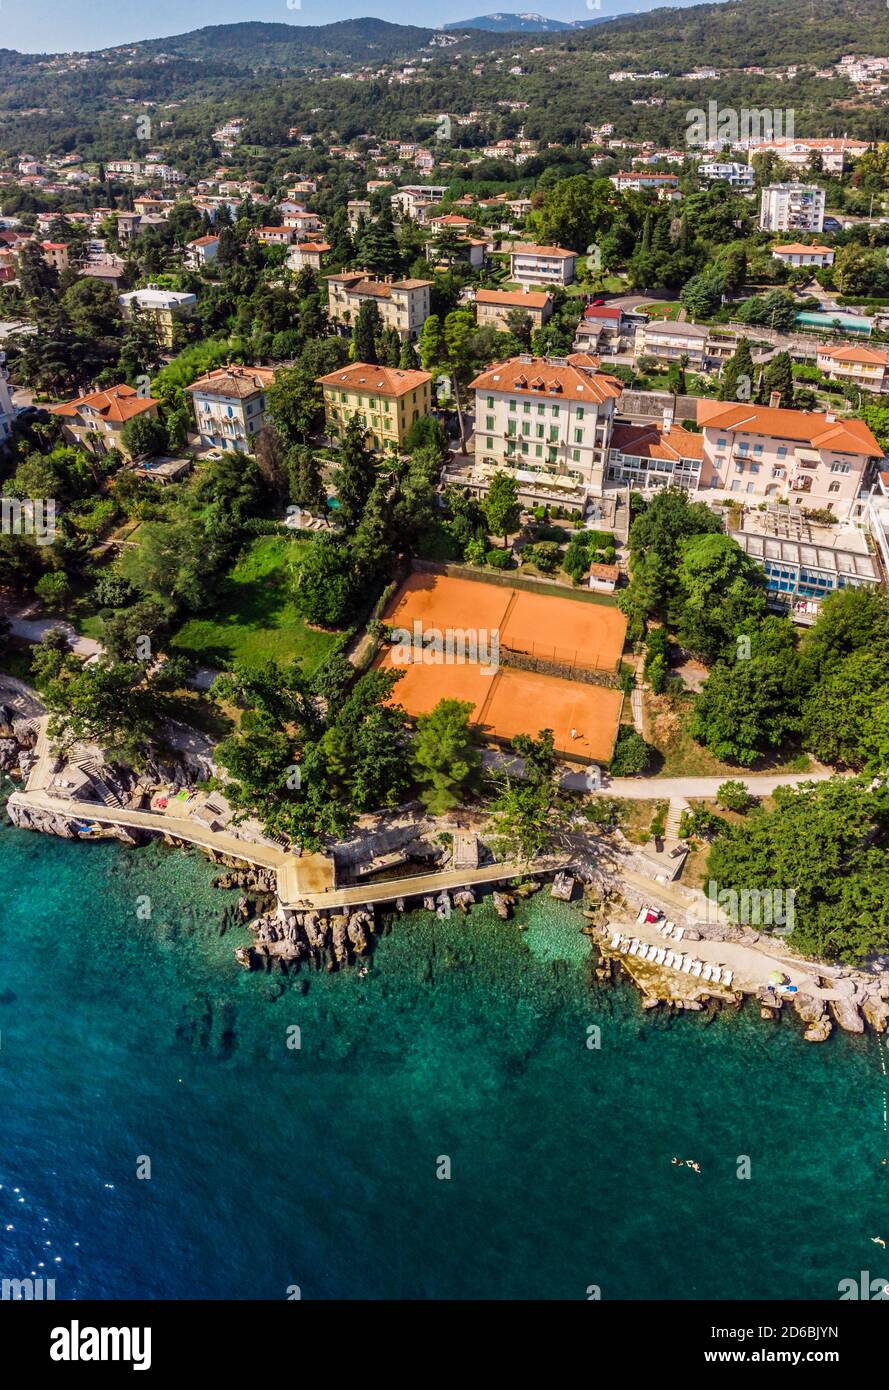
x,y
859,999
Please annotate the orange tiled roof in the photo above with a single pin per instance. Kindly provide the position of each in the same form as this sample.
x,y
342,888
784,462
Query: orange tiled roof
x,y
796,248
852,352
509,299
118,404
373,380
538,377
653,441
528,249
845,436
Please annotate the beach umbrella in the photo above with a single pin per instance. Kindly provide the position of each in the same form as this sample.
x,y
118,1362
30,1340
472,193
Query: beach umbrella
x,y
777,977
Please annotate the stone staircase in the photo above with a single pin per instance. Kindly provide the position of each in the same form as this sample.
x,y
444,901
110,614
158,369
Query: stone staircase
x,y
94,773
678,805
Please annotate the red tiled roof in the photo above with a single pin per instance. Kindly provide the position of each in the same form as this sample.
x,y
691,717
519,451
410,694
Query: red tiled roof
x,y
844,436
538,377
118,404
370,379
653,441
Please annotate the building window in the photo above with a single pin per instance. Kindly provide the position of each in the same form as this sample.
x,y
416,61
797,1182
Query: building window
x,y
580,412
489,422
578,436
833,487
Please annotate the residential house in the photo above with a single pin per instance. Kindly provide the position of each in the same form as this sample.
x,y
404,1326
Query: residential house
x,y
202,251
542,265
165,308
55,253
602,329
389,400
308,255
812,460
865,367
638,181
669,342
494,307
403,304
103,414
795,254
230,405
275,236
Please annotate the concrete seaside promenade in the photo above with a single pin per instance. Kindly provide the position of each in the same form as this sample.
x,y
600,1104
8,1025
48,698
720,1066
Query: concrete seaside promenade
x,y
303,880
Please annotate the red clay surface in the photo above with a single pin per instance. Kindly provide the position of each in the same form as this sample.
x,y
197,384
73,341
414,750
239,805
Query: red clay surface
x,y
512,701
565,630
518,702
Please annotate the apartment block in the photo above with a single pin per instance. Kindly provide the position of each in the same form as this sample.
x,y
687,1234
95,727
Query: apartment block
x,y
740,176
388,399
403,304
230,406
792,207
542,265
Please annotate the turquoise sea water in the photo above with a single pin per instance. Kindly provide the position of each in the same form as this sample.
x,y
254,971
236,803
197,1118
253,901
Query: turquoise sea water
x,y
273,1167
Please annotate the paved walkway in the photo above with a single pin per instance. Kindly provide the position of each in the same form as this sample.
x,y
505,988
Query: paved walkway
x,y
33,629
752,964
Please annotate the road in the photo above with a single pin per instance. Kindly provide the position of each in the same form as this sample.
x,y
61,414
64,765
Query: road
x,y
663,788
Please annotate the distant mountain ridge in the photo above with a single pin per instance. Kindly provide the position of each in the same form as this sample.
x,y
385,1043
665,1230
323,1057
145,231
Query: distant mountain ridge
x,y
529,23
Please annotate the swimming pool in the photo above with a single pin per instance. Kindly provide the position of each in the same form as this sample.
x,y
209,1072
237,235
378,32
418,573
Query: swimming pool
x,y
847,323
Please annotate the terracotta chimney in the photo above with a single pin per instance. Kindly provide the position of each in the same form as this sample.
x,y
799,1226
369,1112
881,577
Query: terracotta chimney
x,y
774,400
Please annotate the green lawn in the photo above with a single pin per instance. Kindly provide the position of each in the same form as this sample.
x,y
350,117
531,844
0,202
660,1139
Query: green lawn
x,y
256,616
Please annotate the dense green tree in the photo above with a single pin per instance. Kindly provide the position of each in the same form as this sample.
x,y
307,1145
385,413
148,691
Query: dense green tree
x,y
447,761
501,505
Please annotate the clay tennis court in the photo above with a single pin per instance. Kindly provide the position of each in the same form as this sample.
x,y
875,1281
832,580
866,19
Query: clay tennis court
x,y
512,701
563,630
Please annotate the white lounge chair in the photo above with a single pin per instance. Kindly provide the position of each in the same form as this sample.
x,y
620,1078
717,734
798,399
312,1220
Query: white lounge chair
x,y
633,945
687,965
615,940
670,928
707,972
659,958
669,959
679,933
727,976
642,912
696,969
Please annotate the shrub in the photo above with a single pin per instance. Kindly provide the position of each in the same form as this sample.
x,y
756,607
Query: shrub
x,y
499,559
733,796
53,589
632,755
